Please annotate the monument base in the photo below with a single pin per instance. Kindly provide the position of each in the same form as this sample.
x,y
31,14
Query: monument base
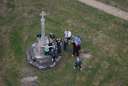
x,y
40,61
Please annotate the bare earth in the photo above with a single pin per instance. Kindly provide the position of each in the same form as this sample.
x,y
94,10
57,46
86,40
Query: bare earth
x,y
29,81
106,8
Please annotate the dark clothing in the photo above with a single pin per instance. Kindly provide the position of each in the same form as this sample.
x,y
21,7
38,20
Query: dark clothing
x,y
50,48
76,42
46,53
38,35
52,36
78,64
74,48
53,55
68,39
77,50
65,44
59,47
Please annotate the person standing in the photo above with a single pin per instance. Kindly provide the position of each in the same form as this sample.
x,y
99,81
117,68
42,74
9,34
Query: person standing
x,y
59,44
53,54
65,44
77,42
78,64
73,45
67,38
67,35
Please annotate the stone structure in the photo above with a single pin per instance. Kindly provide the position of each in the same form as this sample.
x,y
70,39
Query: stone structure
x,y
35,54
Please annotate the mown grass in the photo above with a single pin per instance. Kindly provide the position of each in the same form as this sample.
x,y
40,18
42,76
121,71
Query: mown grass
x,y
117,3
105,36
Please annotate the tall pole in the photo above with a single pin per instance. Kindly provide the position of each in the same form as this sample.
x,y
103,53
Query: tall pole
x,y
43,14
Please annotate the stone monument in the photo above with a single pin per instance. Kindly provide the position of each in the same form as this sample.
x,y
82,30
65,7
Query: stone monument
x,y
36,53
43,40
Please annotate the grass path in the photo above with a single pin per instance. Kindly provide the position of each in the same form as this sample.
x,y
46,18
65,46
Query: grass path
x,y
106,8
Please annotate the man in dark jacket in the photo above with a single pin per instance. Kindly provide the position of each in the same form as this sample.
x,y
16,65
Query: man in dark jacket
x,y
77,45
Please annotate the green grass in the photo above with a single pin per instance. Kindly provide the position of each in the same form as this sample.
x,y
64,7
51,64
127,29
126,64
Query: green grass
x,y
117,3
104,35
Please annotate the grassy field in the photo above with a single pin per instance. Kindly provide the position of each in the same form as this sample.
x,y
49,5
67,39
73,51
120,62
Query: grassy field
x,y
117,3
105,36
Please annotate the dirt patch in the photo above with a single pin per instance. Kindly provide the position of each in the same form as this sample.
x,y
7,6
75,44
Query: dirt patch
x,y
29,81
86,55
28,77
